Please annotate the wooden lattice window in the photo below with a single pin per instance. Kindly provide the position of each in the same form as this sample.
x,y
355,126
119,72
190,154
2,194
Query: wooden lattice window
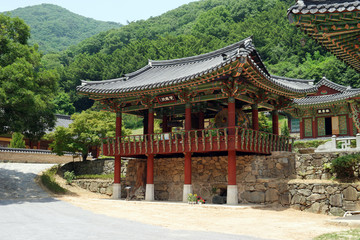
x,y
321,127
308,127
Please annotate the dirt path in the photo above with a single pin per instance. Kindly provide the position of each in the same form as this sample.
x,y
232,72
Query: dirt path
x,y
257,222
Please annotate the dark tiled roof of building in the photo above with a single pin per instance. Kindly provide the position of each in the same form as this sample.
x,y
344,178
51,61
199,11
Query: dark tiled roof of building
x,y
295,83
344,93
61,120
323,6
159,74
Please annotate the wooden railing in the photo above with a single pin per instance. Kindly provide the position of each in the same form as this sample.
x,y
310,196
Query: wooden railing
x,y
203,140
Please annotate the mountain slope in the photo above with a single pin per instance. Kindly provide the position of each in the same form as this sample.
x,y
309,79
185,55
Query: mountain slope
x,y
54,28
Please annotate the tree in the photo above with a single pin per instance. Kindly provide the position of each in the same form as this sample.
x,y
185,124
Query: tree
x,y
26,92
285,130
84,132
264,123
17,141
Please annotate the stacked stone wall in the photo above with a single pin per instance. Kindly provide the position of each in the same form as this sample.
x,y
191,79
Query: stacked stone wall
x,y
260,179
325,198
100,166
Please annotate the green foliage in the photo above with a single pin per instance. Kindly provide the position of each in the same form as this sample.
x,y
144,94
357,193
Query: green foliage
x,y
48,180
308,144
132,121
63,105
26,91
69,176
345,166
345,235
85,131
285,129
96,176
264,123
17,141
55,28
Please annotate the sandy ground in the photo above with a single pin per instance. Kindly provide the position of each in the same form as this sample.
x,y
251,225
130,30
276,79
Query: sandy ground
x,y
253,221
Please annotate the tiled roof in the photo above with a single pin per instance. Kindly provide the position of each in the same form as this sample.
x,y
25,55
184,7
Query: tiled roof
x,y
344,93
301,84
61,120
171,72
323,6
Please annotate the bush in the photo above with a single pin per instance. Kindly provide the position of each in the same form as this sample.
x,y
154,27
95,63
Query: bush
x,y
345,166
17,141
307,144
69,177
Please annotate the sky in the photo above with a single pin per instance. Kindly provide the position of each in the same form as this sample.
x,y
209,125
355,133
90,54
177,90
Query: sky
x,y
119,11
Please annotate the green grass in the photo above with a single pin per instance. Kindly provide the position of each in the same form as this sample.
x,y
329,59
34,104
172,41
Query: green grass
x,y
48,180
96,176
346,235
138,131
307,144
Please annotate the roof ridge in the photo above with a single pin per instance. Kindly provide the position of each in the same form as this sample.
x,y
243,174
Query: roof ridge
x,y
83,82
244,42
328,83
292,79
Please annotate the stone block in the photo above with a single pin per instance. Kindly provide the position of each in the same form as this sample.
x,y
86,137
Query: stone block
x,y
285,199
337,211
350,194
318,189
298,199
93,187
305,192
316,197
331,190
254,197
349,206
271,195
336,200
218,200
314,208
109,190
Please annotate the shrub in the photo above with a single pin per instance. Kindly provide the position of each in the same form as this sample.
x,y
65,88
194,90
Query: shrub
x,y
307,144
344,166
17,141
69,177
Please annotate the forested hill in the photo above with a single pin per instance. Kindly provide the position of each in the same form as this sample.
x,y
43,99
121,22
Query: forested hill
x,y
54,28
193,29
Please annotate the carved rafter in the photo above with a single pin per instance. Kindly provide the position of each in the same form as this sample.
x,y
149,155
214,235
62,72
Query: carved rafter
x,y
147,101
230,87
186,94
114,104
282,102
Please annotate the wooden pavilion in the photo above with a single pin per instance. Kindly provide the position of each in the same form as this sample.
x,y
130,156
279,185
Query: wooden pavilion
x,y
333,109
230,85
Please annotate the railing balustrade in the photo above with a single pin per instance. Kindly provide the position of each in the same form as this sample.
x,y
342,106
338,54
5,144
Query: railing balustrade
x,y
202,140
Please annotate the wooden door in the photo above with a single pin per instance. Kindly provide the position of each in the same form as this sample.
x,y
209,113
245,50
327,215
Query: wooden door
x,y
335,125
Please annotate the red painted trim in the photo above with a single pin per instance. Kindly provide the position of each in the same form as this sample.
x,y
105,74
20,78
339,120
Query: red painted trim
x,y
231,117
232,167
118,125
187,168
150,169
275,123
188,117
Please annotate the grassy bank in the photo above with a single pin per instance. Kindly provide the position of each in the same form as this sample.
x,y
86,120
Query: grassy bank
x,y
48,180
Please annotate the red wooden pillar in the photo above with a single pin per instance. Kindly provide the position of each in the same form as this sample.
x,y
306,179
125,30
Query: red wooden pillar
x,y
201,120
314,132
146,121
165,128
275,122
351,126
255,117
117,163
149,193
187,164
232,191
302,131
289,124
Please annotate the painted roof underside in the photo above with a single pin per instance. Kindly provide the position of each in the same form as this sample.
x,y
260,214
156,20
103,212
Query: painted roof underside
x,y
344,93
332,23
159,74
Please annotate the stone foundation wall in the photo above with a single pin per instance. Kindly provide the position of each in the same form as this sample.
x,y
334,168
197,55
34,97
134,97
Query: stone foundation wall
x,y
325,198
100,166
311,166
99,186
261,179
